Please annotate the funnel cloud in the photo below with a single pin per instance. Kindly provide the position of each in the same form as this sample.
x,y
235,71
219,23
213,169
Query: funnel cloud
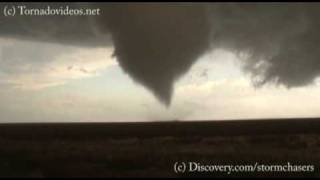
x,y
157,43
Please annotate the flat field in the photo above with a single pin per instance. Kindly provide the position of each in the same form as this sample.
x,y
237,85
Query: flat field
x,y
152,149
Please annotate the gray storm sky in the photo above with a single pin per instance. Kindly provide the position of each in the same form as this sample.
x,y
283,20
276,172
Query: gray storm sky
x,y
158,62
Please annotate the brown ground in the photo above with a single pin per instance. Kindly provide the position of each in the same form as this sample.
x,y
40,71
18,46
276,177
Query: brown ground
x,y
106,150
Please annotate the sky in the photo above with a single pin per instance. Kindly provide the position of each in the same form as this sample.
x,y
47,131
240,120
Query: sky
x,y
47,82
160,62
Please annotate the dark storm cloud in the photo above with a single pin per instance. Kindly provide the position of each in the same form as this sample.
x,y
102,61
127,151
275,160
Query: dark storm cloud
x,y
73,30
157,43
279,42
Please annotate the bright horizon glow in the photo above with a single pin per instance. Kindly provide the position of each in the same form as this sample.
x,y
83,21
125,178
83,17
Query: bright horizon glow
x,y
43,82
